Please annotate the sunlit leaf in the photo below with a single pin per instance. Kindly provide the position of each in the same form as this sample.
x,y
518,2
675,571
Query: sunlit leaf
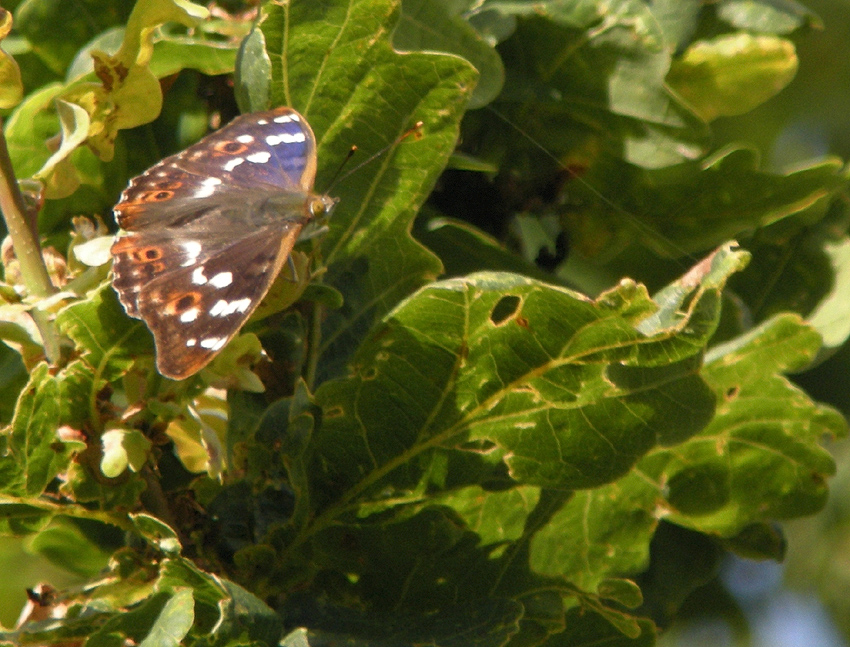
x,y
731,75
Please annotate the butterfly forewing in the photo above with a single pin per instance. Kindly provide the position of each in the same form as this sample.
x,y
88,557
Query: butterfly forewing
x,y
271,152
207,231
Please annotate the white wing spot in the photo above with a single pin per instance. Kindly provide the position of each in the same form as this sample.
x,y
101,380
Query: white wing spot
x,y
218,308
193,250
285,138
208,186
213,343
283,119
262,122
232,164
222,279
259,158
245,139
191,342
224,308
190,315
241,305
198,277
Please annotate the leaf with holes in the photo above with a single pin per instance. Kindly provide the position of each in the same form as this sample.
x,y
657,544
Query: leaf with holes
x,y
567,391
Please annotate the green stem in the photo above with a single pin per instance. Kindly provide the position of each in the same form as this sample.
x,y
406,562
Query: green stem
x,y
314,338
313,343
118,519
27,249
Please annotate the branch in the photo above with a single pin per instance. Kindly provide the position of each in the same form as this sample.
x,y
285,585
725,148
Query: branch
x,y
27,248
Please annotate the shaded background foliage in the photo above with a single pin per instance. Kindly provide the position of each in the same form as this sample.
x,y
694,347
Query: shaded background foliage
x,y
576,166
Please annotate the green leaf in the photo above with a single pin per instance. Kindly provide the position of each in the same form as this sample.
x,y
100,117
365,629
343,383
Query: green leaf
x,y
156,532
767,16
134,624
434,26
253,73
598,534
587,628
497,378
760,458
200,438
463,249
13,377
625,592
409,573
682,562
122,449
31,128
759,541
594,73
734,196
83,484
66,547
11,87
60,29
34,453
129,93
732,74
174,621
31,124
18,331
57,173
495,516
317,56
245,614
171,54
19,519
99,326
174,54
831,318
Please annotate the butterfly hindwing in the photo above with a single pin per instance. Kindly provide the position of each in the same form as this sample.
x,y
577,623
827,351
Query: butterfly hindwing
x,y
192,324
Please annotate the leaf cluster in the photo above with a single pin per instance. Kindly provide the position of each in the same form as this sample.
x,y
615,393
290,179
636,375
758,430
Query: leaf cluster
x,y
531,450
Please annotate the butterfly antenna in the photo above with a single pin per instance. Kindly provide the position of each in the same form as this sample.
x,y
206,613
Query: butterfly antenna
x,y
637,222
335,178
414,131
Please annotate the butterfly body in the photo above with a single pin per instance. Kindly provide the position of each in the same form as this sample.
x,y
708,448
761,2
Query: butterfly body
x,y
207,230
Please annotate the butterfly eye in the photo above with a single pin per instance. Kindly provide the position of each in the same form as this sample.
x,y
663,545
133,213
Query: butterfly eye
x,y
318,207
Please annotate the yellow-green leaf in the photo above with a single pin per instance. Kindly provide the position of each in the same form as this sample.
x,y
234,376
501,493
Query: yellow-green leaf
x,y
732,74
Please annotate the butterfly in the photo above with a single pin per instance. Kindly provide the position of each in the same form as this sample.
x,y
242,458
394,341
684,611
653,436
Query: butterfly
x,y
207,230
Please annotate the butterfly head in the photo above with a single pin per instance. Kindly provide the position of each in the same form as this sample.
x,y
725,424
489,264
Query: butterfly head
x,y
320,206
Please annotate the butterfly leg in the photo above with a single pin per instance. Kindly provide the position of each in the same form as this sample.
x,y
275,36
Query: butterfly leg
x,y
292,269
313,230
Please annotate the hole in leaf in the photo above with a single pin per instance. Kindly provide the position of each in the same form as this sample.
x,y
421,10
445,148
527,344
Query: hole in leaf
x,y
506,308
